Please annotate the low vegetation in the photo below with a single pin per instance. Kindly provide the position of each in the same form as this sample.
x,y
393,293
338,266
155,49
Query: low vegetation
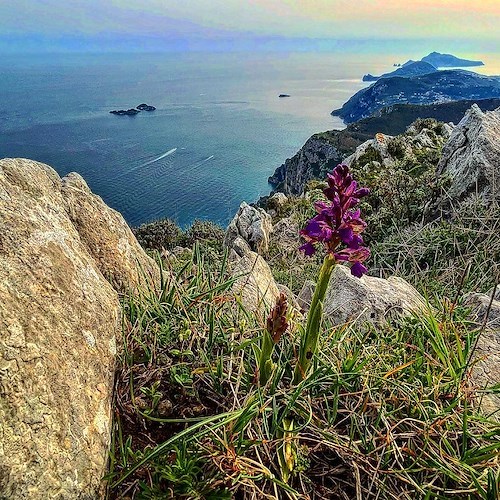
x,y
210,403
165,234
384,413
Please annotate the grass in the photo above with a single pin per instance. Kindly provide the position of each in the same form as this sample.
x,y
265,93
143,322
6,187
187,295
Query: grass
x,y
386,413
445,257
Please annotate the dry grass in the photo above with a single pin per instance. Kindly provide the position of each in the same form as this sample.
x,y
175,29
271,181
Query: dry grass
x,y
385,413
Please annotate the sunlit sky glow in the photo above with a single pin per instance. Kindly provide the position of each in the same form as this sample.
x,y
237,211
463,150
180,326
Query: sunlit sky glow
x,y
170,21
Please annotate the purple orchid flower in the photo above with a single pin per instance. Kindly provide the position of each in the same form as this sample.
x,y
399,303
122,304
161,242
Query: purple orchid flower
x,y
337,222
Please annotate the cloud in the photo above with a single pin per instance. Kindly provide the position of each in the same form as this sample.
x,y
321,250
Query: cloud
x,y
169,19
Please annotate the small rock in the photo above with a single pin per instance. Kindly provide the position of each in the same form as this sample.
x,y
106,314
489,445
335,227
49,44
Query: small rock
x,y
486,361
369,299
256,285
253,225
145,107
305,295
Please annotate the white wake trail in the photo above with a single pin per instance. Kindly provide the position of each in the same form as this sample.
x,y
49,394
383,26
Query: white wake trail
x,y
164,155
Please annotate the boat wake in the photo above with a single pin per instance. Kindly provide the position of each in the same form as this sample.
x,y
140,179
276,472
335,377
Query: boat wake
x,y
198,163
164,155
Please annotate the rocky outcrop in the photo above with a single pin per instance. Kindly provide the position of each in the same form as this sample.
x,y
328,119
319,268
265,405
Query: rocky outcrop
x,y
251,224
285,236
486,355
323,151
471,157
59,318
146,107
247,239
275,203
255,284
369,299
376,149
107,237
312,161
384,150
125,112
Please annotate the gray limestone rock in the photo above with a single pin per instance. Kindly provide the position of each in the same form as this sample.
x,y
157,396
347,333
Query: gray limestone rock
x,y
285,235
486,356
379,144
471,157
62,250
253,225
277,201
305,295
369,299
255,284
107,237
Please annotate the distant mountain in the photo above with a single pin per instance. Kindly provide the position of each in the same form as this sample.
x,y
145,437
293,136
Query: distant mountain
x,y
394,120
449,61
410,68
437,87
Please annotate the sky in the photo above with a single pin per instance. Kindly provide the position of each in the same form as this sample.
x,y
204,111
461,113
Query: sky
x,y
190,23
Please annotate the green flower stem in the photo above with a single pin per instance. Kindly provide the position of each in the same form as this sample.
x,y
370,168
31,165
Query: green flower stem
x,y
265,363
309,342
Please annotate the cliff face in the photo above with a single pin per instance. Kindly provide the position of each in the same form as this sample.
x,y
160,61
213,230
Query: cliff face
x,y
318,155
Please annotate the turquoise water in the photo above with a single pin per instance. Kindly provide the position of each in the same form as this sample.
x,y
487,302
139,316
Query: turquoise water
x,y
218,132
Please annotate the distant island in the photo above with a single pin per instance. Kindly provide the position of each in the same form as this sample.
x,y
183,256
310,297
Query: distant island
x,y
133,111
410,68
145,107
436,87
427,64
449,61
125,112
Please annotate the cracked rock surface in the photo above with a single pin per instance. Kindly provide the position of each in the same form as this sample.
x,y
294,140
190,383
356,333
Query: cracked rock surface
x,y
471,157
251,224
59,317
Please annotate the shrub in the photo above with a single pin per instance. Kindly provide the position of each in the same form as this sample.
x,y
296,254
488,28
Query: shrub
x,y
158,235
204,231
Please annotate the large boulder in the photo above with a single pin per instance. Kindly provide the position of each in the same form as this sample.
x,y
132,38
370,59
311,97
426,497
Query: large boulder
x,y
59,318
255,284
107,237
471,157
485,309
253,225
369,299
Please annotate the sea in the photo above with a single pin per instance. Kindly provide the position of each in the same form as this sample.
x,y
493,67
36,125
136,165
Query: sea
x,y
218,132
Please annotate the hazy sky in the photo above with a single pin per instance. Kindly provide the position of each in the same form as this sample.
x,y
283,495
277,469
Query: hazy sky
x,y
170,20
